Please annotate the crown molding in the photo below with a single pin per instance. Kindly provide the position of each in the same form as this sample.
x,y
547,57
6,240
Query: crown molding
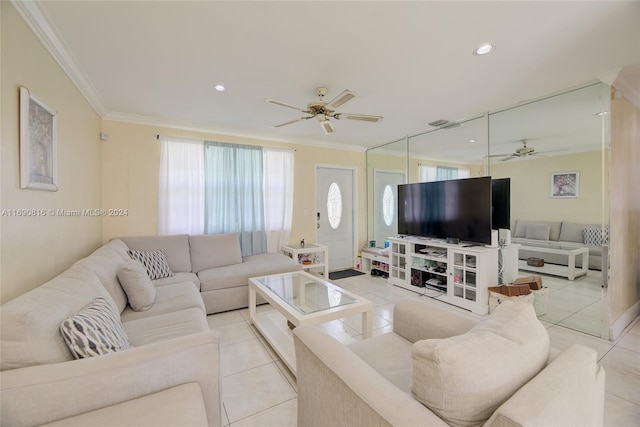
x,y
628,89
37,19
238,133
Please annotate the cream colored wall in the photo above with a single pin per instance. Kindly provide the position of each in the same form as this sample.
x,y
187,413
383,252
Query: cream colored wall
x,y
130,162
531,188
624,283
36,249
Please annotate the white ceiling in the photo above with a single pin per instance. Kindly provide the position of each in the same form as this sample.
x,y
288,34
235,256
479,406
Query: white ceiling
x,y
411,62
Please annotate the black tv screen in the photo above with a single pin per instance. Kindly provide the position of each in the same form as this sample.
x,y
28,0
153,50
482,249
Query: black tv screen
x,y
453,209
501,203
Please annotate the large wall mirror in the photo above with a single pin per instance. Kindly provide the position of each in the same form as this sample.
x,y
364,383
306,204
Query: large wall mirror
x,y
555,151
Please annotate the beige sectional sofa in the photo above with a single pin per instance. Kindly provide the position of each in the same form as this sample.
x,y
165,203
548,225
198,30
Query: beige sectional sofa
x,y
214,264
556,234
169,376
439,367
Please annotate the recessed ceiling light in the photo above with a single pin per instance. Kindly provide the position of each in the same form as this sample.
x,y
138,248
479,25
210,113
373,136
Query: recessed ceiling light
x,y
602,113
219,88
483,49
472,140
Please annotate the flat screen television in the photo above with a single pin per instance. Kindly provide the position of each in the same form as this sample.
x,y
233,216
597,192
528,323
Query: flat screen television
x,y
454,209
501,203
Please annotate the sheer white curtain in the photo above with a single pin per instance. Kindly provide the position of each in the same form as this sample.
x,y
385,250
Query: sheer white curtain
x,y
181,187
428,173
278,196
234,193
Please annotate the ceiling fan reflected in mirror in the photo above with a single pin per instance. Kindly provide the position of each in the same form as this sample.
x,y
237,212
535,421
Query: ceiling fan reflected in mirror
x,y
323,111
525,151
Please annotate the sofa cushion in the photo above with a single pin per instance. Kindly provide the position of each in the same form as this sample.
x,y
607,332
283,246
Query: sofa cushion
x,y
136,283
538,232
30,322
154,262
105,263
169,298
162,327
252,266
463,379
554,228
388,354
94,330
175,248
571,232
178,278
214,250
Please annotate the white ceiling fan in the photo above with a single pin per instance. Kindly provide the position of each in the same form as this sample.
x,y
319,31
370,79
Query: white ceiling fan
x,y
323,111
525,151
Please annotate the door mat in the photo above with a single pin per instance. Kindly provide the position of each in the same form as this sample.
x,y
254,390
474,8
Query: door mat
x,y
343,274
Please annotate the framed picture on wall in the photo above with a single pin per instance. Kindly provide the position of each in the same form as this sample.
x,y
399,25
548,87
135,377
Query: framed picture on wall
x,y
38,144
565,185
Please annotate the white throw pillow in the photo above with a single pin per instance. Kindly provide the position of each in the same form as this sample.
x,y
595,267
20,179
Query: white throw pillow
x,y
154,261
464,379
94,330
136,283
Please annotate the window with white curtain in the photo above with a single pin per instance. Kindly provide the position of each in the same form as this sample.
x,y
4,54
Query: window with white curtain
x,y
210,188
428,173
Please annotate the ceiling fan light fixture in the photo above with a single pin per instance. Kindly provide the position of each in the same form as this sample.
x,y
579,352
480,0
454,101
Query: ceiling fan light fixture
x,y
483,49
327,127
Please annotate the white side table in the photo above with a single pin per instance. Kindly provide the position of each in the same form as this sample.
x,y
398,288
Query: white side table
x,y
311,256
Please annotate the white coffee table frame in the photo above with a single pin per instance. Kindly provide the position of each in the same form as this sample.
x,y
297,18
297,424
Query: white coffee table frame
x,y
276,331
570,271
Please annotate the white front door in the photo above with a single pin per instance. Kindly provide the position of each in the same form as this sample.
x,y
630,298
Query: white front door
x,y
335,214
385,200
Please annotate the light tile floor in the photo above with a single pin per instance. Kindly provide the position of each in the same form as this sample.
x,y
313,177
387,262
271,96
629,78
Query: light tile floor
x,y
258,390
575,304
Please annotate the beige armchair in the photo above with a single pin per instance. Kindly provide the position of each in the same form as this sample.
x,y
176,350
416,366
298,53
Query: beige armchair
x,y
369,383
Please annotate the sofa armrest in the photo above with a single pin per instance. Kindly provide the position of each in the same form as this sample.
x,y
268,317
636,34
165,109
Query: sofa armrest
x,y
568,392
41,394
414,321
337,388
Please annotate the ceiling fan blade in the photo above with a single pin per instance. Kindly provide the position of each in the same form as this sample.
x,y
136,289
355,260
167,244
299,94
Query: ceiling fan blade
x,y
327,127
499,155
282,104
511,157
288,123
552,151
360,117
341,99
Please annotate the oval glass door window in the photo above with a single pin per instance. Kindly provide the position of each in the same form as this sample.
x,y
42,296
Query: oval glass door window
x,y
334,205
387,205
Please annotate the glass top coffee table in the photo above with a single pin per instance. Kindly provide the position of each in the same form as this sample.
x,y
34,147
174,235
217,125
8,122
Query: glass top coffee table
x,y
301,299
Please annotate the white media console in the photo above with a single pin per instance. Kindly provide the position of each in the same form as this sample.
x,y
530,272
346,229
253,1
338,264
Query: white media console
x,y
462,273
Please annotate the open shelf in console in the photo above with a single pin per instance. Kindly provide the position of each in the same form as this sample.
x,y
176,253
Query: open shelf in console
x,y
461,273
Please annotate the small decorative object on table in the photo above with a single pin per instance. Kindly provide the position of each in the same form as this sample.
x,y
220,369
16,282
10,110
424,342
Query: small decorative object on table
x,y
302,243
535,262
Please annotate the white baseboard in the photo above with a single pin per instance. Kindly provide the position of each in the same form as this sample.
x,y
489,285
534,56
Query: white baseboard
x,y
623,321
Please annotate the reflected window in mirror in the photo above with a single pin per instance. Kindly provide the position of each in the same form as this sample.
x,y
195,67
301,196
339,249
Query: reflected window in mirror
x,y
428,173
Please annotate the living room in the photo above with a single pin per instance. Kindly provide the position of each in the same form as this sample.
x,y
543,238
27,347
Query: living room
x,y
122,172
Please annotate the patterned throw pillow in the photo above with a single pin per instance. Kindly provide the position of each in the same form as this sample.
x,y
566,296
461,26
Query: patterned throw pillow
x,y
595,236
154,261
94,330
